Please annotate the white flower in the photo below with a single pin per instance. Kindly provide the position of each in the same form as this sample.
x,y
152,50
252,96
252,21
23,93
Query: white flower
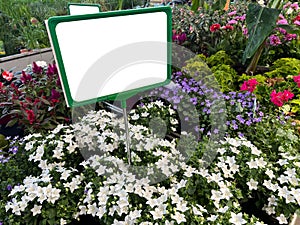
x,y
63,222
282,162
212,218
135,117
272,200
283,192
261,162
282,219
252,164
178,217
223,210
237,219
255,151
270,173
252,184
157,213
270,210
36,210
261,3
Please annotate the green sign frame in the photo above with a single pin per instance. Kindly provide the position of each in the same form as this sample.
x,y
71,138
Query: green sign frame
x,y
52,24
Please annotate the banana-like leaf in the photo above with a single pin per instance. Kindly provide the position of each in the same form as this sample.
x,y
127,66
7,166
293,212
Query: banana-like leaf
x,y
260,23
195,5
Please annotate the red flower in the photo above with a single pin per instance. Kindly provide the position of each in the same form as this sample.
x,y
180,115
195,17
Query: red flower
x,y
7,75
30,116
249,85
281,97
54,96
297,18
228,27
214,27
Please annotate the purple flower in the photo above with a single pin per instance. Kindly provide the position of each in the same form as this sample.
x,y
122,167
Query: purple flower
x,y
235,126
248,122
13,149
274,40
9,188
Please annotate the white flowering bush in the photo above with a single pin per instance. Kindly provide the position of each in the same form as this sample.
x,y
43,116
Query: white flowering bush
x,y
81,171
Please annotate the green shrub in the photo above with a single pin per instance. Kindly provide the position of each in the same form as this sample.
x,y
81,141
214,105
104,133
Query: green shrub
x,y
284,67
221,57
226,77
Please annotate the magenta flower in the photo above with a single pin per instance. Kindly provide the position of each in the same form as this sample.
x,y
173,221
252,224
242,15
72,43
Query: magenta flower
x,y
297,80
25,77
249,85
290,37
52,69
280,98
36,69
274,40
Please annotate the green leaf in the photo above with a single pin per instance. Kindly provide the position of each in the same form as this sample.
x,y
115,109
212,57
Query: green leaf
x,y
260,23
12,122
218,4
195,5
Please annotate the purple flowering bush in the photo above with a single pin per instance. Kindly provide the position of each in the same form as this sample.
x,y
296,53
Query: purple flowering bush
x,y
33,99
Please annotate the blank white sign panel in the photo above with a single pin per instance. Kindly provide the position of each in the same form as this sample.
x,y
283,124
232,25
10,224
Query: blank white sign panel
x,y
83,9
85,43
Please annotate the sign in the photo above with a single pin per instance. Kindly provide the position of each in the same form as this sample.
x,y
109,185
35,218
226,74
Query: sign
x,y
107,55
81,9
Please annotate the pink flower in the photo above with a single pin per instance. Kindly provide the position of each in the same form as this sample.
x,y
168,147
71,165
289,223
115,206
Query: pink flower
x,y
232,22
249,85
290,37
274,40
282,22
7,75
214,27
297,80
245,31
295,6
281,97
281,30
232,13
241,18
297,22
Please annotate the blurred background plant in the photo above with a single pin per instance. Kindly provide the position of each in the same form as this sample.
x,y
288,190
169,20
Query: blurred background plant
x,y
22,21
